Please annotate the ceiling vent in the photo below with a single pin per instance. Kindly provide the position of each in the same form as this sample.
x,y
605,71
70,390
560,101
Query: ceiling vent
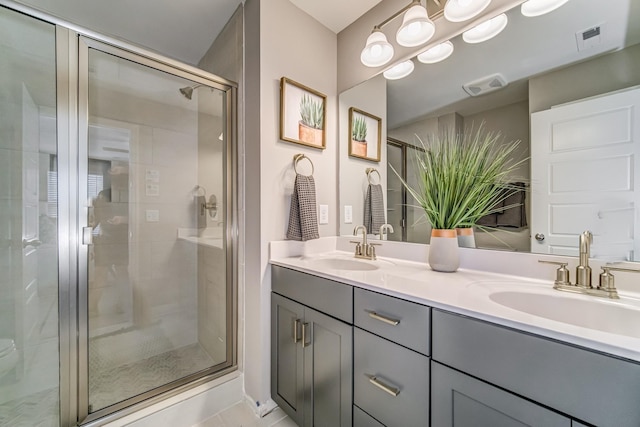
x,y
485,85
589,38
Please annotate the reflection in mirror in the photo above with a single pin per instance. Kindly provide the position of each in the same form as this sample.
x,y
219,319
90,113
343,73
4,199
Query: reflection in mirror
x,y
369,96
549,64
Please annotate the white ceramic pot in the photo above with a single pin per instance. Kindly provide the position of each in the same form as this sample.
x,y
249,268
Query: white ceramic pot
x,y
466,237
443,251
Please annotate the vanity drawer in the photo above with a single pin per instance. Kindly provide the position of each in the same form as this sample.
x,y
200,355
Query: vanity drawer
x,y
379,313
599,389
380,364
362,419
327,296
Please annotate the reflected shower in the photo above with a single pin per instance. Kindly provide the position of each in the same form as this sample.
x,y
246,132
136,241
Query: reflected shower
x,y
187,91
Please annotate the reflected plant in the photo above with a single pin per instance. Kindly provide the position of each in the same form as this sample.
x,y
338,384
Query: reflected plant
x,y
463,177
359,129
311,112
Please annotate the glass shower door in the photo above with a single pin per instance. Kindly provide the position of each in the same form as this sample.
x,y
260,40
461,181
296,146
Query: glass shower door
x,y
29,356
158,293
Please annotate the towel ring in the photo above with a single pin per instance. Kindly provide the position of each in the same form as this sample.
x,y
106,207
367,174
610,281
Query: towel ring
x,y
369,172
297,158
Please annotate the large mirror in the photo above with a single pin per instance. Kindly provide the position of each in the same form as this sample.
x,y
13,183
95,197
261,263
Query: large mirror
x,y
568,94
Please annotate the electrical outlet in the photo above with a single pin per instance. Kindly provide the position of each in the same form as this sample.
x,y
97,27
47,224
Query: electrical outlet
x,y
348,214
152,189
324,214
153,215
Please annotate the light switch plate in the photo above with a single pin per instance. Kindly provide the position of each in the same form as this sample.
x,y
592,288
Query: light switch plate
x,y
153,175
348,214
153,215
324,214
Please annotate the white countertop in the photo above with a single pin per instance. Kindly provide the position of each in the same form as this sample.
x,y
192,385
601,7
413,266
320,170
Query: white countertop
x,y
467,292
210,237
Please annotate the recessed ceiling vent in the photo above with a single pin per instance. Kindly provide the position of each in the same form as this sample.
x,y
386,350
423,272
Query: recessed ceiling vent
x,y
591,37
485,85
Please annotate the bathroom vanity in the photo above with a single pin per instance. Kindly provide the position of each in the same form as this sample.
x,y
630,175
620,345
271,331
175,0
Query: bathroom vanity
x,y
420,348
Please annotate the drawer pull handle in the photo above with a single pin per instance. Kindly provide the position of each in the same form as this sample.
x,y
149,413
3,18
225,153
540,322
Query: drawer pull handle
x,y
296,326
304,335
385,319
393,391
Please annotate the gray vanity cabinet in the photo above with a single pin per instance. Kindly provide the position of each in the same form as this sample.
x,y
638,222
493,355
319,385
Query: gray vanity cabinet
x,y
459,400
287,370
311,352
391,363
596,388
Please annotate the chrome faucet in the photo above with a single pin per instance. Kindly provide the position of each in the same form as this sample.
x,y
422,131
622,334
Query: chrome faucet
x,y
363,249
583,271
384,229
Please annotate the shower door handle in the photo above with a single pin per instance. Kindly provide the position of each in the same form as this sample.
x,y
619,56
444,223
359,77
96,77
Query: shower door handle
x,y
87,235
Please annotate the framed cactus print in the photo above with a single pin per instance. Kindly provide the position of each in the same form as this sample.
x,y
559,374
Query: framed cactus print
x,y
302,114
364,135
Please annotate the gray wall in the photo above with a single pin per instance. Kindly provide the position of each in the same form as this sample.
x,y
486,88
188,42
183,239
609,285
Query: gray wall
x,y
604,74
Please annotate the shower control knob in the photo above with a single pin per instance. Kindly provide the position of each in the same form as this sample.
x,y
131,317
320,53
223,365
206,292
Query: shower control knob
x,y
539,237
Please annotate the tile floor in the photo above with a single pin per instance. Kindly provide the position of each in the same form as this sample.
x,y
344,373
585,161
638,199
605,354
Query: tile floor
x,y
240,415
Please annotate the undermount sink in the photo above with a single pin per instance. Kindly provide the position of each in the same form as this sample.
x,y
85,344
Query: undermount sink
x,y
341,264
602,315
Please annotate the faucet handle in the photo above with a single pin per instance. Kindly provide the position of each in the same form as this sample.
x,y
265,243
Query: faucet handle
x,y
372,250
607,279
358,251
562,273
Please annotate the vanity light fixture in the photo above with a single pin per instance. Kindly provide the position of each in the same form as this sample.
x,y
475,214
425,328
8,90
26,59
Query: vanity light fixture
x,y
378,51
463,10
437,53
486,30
532,8
400,70
416,29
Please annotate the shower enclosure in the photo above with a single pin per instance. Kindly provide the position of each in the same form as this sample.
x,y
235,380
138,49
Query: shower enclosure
x,y
116,220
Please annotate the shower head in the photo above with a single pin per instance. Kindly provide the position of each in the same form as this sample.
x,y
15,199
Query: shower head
x,y
187,91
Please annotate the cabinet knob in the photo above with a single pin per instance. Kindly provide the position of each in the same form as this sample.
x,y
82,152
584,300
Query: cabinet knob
x,y
539,237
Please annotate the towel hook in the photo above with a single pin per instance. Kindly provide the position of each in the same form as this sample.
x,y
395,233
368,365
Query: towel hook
x,y
297,158
369,172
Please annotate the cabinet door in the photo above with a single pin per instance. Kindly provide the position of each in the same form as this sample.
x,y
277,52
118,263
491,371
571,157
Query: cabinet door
x,y
287,356
328,371
459,400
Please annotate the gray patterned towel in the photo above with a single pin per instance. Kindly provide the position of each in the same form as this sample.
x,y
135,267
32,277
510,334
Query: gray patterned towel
x,y
374,209
303,217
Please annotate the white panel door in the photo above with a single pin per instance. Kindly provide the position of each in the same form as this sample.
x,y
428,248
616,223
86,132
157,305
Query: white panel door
x,y
584,158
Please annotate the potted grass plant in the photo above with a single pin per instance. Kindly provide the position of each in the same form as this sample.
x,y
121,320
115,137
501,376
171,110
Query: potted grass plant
x,y
359,136
461,178
311,117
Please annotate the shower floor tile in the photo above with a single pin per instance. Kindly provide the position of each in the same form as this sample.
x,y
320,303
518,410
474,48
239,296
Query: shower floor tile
x,y
35,410
109,384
